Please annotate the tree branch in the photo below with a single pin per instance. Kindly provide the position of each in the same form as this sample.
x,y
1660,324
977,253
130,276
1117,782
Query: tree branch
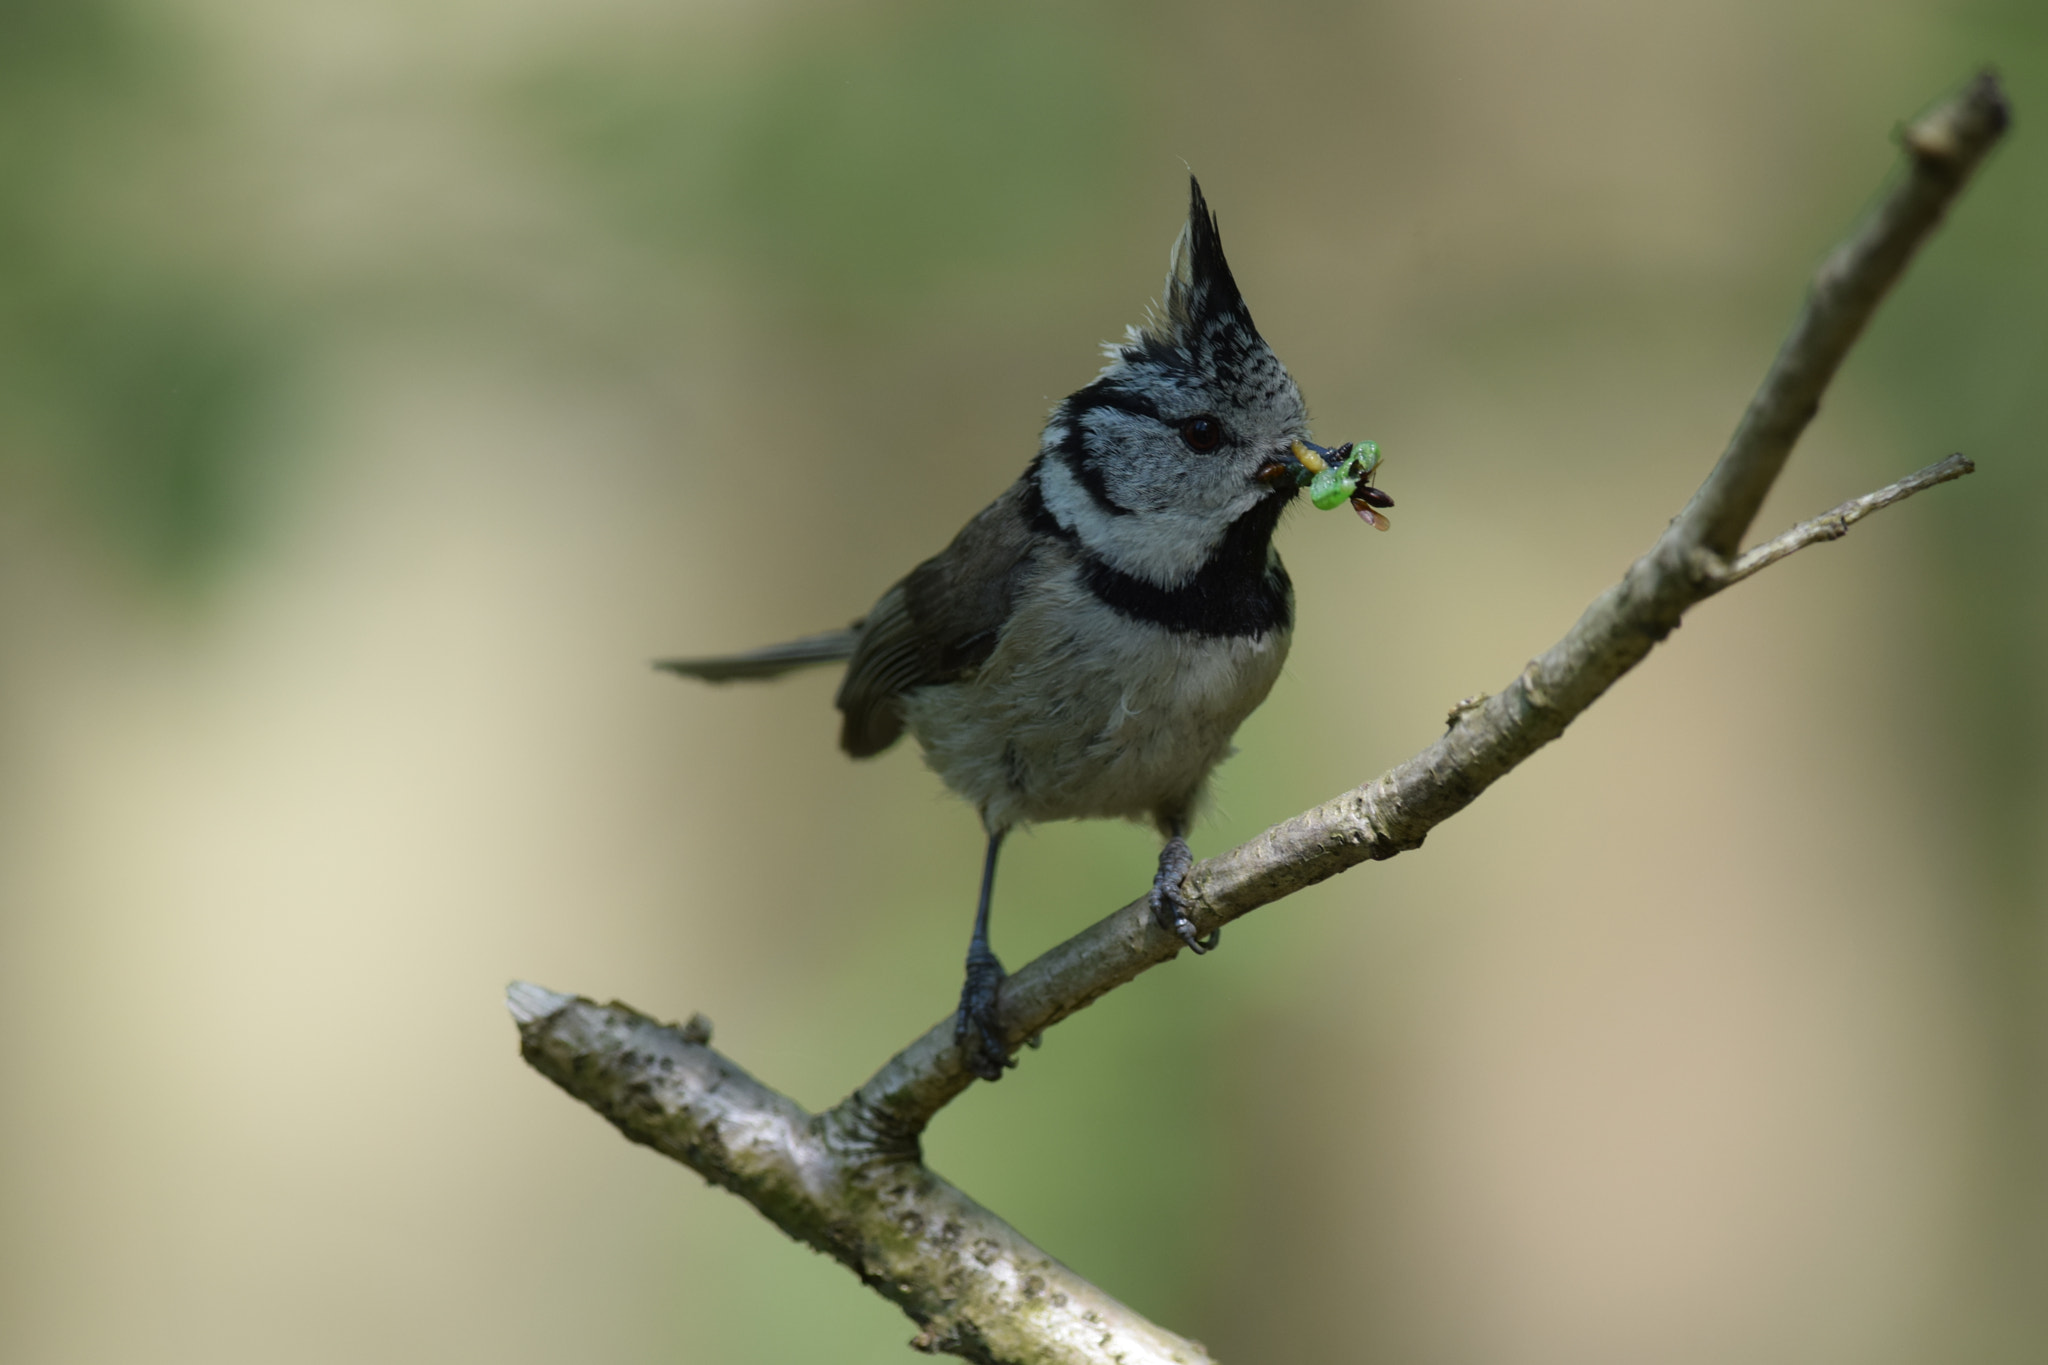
x,y
1943,150
850,1182
971,1281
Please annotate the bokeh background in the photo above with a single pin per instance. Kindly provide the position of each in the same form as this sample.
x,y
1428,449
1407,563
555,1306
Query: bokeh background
x,y
382,385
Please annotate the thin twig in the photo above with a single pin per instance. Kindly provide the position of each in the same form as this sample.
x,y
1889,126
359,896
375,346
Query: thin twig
x,y
851,1181
1834,525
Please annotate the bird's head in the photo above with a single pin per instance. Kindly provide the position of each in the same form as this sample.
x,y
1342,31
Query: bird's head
x,y
1152,464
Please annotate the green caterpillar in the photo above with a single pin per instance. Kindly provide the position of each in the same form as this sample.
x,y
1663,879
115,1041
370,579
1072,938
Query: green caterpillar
x,y
1335,477
1335,483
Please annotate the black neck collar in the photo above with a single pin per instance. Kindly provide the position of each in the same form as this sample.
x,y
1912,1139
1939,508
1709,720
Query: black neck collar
x,y
1240,590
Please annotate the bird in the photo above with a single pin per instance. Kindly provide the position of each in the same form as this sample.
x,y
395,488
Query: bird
x,y
1087,645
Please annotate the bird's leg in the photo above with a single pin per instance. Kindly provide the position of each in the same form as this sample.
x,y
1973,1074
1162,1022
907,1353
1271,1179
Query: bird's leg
x,y
984,1053
1169,902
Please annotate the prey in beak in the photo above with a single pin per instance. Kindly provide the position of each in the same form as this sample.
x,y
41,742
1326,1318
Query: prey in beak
x,y
1302,461
1344,474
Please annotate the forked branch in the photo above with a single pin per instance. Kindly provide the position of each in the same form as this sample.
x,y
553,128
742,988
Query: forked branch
x,y
850,1181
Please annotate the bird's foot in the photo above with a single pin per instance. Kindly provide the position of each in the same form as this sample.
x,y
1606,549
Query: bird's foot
x,y
1169,899
976,1031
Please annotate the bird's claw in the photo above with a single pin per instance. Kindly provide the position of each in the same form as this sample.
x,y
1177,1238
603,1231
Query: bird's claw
x,y
983,1051
1169,901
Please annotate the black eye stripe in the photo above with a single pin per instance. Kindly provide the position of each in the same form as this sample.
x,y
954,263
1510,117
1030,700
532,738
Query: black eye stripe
x,y
1088,472
1103,395
1106,394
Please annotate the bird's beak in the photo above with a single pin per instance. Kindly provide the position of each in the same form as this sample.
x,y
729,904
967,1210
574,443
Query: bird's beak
x,y
1285,471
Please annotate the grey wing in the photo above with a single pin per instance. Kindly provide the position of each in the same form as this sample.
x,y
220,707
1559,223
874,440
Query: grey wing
x,y
938,625
888,661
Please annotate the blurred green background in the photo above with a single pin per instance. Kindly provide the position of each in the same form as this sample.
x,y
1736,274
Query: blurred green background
x,y
384,384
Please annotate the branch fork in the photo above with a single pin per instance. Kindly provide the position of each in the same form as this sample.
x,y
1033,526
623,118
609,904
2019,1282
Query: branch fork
x,y
851,1182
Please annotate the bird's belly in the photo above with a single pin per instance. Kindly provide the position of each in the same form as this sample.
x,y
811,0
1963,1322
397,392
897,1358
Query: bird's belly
x,y
1081,712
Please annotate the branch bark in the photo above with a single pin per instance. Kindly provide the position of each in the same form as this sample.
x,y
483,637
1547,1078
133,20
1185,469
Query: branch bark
x,y
850,1181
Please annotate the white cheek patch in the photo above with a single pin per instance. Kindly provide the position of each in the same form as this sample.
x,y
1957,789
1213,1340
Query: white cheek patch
x,y
1071,505
1165,548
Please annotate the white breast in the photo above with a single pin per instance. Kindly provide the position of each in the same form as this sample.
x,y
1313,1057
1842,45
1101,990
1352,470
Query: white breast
x,y
1082,712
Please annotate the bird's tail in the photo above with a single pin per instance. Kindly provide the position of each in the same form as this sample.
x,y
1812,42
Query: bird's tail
x,y
830,647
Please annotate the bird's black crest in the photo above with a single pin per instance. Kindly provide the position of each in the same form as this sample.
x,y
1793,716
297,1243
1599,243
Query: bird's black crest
x,y
1202,319
1209,290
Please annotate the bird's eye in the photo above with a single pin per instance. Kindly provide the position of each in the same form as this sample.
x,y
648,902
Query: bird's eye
x,y
1202,433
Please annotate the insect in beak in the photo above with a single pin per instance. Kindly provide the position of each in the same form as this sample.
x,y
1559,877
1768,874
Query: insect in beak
x,y
1332,477
1303,460
1367,502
